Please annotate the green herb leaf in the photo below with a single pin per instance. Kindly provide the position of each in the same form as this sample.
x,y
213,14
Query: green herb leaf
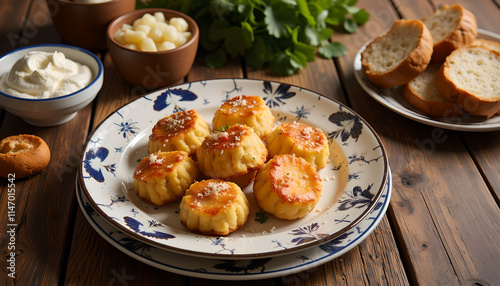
x,y
216,59
257,55
261,217
280,63
223,128
297,59
237,40
284,34
303,9
278,18
361,17
333,50
350,26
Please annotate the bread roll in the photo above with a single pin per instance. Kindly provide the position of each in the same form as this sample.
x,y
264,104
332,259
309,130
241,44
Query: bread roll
x,y
181,131
422,93
470,77
163,177
214,207
300,139
23,155
451,27
495,46
232,155
287,187
246,110
399,55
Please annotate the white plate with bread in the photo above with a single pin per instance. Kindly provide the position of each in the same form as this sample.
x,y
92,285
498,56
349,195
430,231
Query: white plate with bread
x,y
440,75
353,179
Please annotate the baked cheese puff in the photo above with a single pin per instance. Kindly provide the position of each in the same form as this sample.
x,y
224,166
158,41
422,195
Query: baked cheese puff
x,y
302,140
214,207
287,187
246,110
232,155
163,177
181,131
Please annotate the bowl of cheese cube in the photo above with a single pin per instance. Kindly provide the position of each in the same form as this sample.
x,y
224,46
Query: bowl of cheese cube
x,y
153,48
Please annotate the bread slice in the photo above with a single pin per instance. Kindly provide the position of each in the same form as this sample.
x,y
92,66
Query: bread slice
x,y
469,77
399,55
422,93
495,46
451,27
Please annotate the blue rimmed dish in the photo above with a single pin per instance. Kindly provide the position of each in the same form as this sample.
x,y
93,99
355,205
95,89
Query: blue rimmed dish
x,y
353,180
54,110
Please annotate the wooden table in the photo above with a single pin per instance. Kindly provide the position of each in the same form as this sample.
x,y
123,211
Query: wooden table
x,y
442,226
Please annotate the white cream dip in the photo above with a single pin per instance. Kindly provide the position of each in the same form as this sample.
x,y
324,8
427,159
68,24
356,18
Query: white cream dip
x,y
44,75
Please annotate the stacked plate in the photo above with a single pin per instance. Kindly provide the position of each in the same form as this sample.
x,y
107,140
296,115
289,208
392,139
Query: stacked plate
x,y
356,187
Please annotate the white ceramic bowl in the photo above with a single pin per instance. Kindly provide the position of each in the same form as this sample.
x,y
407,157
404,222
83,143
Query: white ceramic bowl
x,y
57,110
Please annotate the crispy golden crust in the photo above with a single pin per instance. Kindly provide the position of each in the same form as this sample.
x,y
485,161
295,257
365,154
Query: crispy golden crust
x,y
491,45
287,187
409,67
163,177
421,92
302,140
23,155
458,91
463,34
214,207
231,154
246,110
183,131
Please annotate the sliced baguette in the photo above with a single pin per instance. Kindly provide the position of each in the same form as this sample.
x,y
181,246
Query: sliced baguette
x,y
495,46
470,77
422,93
451,27
399,55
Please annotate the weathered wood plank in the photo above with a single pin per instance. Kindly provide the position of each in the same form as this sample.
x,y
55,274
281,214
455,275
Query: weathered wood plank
x,y
45,202
312,78
208,282
94,261
436,216
482,145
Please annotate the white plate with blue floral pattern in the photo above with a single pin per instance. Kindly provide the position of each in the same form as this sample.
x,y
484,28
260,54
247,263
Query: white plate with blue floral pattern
x,y
353,180
393,99
231,269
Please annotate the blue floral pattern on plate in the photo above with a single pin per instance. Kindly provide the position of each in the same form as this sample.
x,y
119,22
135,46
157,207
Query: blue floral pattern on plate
x,y
352,181
235,269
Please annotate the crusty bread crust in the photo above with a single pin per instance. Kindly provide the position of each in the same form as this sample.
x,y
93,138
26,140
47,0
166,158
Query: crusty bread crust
x,y
495,46
409,67
475,104
23,155
463,34
421,92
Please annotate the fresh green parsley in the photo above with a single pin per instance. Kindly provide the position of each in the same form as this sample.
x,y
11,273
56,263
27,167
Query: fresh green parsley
x,y
261,217
223,128
283,34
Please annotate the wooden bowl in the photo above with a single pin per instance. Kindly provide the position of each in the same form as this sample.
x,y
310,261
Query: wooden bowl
x,y
152,70
84,25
